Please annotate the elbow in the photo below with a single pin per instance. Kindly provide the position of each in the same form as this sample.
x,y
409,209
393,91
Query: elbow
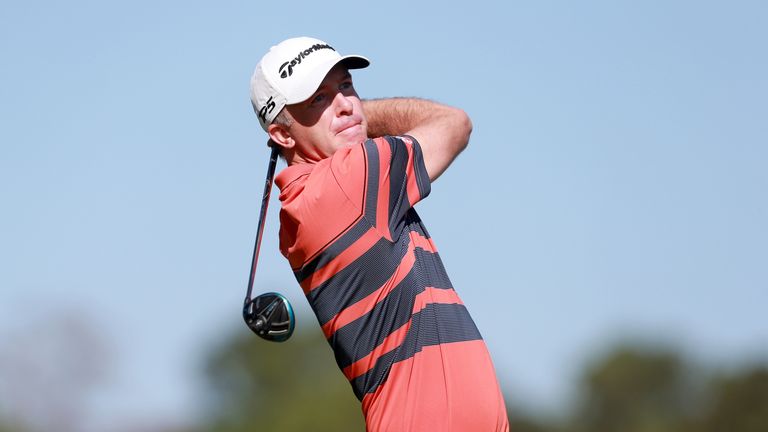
x,y
464,129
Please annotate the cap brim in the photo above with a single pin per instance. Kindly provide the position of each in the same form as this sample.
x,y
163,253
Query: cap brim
x,y
355,62
317,76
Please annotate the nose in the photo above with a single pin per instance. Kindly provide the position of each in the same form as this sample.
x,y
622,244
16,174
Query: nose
x,y
343,105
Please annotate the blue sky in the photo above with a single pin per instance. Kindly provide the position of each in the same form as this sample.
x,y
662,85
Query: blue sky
x,y
615,183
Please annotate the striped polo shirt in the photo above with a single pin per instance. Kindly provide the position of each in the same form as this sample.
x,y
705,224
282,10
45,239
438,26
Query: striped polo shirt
x,y
375,281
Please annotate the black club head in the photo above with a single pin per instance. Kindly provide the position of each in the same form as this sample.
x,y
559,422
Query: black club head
x,y
270,316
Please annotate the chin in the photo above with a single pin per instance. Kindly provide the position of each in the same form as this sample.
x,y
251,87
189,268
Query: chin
x,y
347,140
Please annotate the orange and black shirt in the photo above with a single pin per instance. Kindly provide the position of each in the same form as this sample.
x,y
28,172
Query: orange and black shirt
x,y
375,281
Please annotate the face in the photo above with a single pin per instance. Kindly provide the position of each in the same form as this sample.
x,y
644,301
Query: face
x,y
330,119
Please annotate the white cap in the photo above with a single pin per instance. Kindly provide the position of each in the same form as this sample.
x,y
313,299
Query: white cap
x,y
291,72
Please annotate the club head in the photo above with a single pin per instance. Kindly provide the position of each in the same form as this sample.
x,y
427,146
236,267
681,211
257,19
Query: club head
x,y
270,316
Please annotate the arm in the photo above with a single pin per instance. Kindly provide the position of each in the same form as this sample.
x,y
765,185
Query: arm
x,y
442,131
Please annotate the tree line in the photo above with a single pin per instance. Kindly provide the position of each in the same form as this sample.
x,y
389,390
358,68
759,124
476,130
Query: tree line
x,y
631,388
255,386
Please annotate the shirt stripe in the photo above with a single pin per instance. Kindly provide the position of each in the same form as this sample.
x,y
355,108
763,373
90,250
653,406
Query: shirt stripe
x,y
372,274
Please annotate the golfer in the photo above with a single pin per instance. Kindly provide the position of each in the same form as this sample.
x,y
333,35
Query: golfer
x,y
367,265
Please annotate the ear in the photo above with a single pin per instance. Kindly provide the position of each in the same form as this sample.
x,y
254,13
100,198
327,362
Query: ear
x,y
280,135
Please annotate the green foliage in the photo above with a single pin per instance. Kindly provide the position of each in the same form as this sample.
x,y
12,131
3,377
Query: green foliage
x,y
633,391
290,386
10,427
739,402
296,386
521,422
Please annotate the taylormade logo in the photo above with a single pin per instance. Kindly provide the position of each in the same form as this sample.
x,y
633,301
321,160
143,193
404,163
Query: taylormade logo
x,y
286,69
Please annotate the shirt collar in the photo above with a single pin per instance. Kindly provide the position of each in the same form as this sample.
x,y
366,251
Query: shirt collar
x,y
291,173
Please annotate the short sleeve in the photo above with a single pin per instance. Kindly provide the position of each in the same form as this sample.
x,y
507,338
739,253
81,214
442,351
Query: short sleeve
x,y
406,174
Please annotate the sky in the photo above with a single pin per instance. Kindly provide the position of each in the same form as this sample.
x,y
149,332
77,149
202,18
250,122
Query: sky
x,y
614,185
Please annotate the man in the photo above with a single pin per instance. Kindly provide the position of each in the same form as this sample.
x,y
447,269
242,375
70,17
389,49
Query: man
x,y
358,249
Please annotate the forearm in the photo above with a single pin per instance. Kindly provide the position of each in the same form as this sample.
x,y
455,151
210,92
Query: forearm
x,y
397,116
442,131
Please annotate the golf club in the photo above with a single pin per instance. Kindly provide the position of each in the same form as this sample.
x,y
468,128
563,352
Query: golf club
x,y
269,315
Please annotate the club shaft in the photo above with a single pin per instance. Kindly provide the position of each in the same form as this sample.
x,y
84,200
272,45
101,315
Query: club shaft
x,y
262,218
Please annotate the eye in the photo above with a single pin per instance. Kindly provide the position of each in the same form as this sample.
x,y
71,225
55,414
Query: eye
x,y
346,85
318,99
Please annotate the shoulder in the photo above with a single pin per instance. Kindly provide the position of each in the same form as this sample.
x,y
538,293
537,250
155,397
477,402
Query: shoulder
x,y
385,147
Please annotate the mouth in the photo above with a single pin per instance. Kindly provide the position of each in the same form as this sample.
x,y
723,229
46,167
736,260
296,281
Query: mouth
x,y
351,128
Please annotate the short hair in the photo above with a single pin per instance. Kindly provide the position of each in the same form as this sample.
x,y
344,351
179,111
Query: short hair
x,y
284,120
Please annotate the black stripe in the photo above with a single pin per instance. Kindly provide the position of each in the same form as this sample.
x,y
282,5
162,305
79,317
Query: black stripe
x,y
398,184
341,244
334,250
413,222
436,324
433,271
371,380
361,277
358,338
371,202
422,176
